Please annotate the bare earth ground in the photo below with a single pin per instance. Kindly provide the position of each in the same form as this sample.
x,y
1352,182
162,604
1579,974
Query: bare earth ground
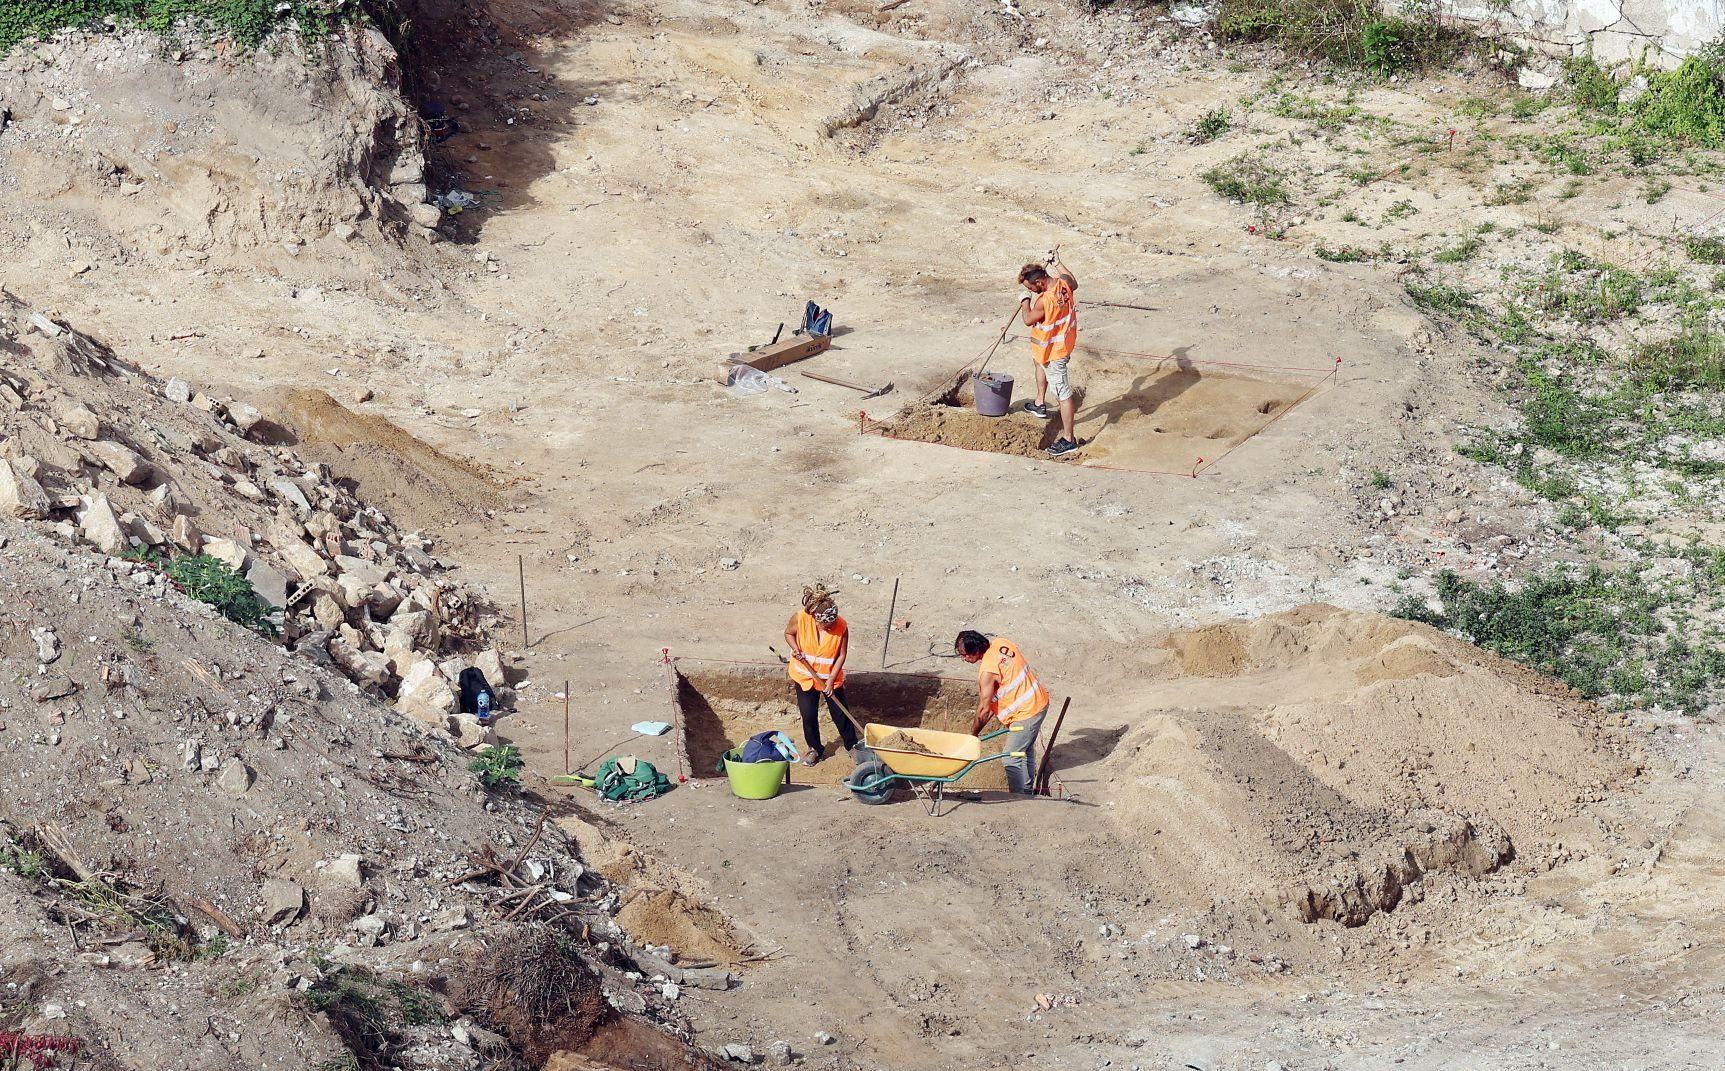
x,y
736,165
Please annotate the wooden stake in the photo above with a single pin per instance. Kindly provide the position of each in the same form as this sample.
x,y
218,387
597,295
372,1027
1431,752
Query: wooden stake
x,y
890,611
521,573
566,768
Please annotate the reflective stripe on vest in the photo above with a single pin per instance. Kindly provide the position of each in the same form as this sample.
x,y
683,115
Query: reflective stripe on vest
x,y
1020,694
1055,339
819,649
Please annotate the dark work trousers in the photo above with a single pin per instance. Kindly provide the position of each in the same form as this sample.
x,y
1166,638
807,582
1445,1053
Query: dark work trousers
x,y
809,706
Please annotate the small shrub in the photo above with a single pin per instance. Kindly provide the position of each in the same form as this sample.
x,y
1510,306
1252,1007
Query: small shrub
x,y
213,581
1348,33
1210,126
498,767
1248,179
1706,250
1342,254
1380,480
1590,85
1455,254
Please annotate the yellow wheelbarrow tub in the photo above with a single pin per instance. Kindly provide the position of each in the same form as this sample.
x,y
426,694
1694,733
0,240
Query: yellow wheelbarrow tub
x,y
952,751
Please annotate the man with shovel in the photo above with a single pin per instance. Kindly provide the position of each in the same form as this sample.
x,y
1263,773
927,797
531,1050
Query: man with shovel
x,y
1008,692
1051,313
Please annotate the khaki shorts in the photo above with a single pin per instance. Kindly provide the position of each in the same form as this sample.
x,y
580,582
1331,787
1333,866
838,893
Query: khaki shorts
x,y
1058,384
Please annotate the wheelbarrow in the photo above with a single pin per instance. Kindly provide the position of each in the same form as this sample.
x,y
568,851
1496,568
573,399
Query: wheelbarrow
x,y
953,756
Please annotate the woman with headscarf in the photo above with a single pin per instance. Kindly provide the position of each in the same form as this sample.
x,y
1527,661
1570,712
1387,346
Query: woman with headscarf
x,y
819,640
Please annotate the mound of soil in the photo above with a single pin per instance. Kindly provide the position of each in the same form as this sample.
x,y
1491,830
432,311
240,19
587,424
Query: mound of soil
x,y
692,930
382,463
1328,761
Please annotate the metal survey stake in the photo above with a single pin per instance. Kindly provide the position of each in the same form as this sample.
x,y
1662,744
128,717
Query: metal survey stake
x,y
521,574
566,728
890,610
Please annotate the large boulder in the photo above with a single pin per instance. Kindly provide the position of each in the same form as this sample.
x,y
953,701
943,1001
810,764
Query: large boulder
x,y
122,461
20,495
97,523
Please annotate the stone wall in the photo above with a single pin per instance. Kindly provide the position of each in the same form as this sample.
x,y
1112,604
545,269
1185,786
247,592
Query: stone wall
x,y
1664,30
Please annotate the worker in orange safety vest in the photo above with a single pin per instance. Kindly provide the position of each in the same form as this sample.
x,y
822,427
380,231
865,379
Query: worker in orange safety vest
x,y
1051,313
1008,692
819,640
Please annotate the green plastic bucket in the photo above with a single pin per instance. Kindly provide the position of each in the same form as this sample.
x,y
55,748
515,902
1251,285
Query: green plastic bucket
x,y
755,780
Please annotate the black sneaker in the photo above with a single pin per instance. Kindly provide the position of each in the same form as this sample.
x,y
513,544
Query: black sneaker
x,y
1061,447
1037,409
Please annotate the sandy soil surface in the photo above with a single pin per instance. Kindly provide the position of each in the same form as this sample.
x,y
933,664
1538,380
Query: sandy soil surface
x,y
1554,871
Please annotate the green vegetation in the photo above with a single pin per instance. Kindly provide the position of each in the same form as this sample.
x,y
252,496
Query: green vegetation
x,y
246,21
1706,250
1462,250
210,580
369,1011
1380,480
1348,33
1687,104
1249,179
1603,633
498,767
1342,254
1210,126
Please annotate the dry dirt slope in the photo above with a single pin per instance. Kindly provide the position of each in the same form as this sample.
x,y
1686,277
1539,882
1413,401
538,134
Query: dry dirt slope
x,y
221,854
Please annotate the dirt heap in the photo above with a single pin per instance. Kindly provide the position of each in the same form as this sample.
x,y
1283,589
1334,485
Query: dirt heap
x,y
99,452
1325,762
205,160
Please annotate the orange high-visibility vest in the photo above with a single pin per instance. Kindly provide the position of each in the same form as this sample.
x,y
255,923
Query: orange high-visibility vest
x,y
1020,694
1056,336
820,650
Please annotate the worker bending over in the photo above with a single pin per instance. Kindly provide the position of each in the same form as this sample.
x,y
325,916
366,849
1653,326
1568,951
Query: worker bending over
x,y
819,640
1008,692
1051,313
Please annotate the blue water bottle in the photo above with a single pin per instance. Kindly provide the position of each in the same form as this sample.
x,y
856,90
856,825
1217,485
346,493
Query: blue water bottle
x,y
484,703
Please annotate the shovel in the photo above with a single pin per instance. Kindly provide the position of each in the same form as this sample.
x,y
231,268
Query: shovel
x,y
866,392
861,733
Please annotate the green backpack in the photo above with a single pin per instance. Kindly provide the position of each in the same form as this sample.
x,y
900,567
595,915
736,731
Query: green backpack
x,y
629,778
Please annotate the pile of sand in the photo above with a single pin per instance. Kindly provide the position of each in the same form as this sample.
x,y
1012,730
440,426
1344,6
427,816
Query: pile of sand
x,y
903,741
692,930
1325,761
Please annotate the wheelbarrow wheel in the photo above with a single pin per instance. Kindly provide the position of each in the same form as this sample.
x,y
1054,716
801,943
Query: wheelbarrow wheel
x,y
862,775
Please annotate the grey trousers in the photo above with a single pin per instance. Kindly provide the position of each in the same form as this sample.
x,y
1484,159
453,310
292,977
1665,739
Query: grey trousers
x,y
1021,772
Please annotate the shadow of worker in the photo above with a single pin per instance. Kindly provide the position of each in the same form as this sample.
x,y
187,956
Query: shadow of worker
x,y
1169,378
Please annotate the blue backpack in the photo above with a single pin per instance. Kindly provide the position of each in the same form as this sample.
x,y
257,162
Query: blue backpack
x,y
770,746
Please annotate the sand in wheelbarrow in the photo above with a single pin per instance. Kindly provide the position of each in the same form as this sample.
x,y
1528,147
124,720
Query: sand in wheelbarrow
x,y
903,741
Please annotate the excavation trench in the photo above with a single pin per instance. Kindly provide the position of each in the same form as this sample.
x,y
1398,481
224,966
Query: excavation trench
x,y
1164,414
721,707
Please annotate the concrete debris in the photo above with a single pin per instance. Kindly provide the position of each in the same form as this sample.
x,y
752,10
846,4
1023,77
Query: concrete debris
x,y
97,523
236,778
53,687
344,872
47,645
740,1052
283,901
20,495
122,461
81,422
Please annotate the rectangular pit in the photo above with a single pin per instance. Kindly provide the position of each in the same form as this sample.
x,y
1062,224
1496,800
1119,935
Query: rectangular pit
x,y
1148,413
723,705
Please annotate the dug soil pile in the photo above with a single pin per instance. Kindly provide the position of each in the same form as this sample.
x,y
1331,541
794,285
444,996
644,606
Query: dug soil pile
x,y
1325,762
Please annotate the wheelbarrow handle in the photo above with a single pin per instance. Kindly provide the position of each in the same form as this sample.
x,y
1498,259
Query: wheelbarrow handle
x,y
1002,732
